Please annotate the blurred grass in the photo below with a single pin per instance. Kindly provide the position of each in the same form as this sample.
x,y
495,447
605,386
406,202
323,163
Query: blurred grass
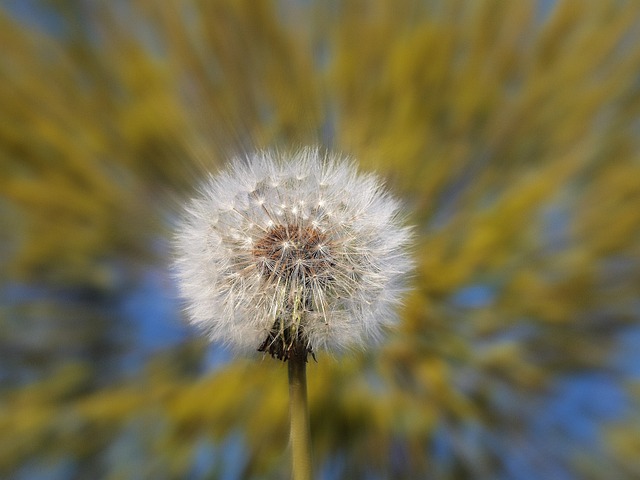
x,y
511,130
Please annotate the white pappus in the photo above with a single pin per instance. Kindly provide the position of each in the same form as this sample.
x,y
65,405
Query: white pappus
x,y
298,251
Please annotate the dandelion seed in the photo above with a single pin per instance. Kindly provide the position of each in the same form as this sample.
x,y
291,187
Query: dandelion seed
x,y
298,253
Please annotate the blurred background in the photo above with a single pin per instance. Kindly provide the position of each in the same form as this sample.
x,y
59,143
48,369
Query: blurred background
x,y
510,130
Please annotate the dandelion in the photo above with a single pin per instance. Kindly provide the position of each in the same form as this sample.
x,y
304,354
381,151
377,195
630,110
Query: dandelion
x,y
277,254
290,255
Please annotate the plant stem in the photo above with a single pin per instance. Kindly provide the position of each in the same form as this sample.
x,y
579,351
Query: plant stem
x,y
299,416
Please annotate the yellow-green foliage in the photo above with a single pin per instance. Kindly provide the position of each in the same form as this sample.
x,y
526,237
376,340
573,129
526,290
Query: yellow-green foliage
x,y
510,128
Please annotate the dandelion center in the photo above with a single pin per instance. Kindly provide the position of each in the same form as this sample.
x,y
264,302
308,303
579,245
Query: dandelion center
x,y
293,252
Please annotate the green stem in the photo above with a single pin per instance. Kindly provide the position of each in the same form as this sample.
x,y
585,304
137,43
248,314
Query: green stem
x,y
299,416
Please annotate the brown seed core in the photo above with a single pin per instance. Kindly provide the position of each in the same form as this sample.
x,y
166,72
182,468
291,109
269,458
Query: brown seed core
x,y
288,250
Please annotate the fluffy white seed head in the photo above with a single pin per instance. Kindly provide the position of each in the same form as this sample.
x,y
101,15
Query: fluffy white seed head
x,y
281,251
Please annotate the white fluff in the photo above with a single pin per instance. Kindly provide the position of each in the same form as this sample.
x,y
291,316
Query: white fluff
x,y
301,241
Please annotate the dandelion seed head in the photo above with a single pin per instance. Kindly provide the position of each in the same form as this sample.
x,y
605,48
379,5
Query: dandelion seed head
x,y
278,252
